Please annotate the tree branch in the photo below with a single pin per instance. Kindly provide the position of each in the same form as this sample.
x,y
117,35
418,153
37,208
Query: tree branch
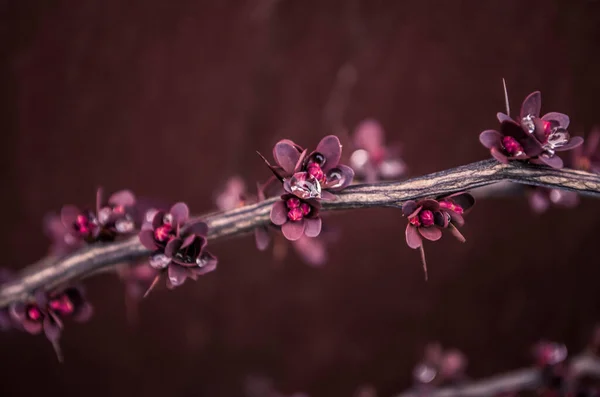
x,y
50,273
519,380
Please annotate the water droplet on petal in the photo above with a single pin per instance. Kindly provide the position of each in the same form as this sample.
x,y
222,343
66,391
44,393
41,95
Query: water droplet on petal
x,y
424,373
392,168
149,217
124,225
305,186
557,138
104,215
201,261
528,124
168,218
176,281
159,261
335,179
359,159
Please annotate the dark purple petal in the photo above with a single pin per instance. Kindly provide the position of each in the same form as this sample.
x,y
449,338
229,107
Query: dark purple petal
x,y
262,238
51,329
147,239
325,195
440,219
429,204
172,247
199,228
490,139
553,161
209,264
415,212
84,312
68,216
532,105
331,148
561,118
530,145
293,230
503,117
538,201
564,198
300,161
177,275
572,144
279,213
157,220
312,250
338,178
17,311
124,198
41,298
456,218
413,239
409,207
369,136
180,212
192,238
498,155
313,227
33,327
464,200
592,142
286,155
430,233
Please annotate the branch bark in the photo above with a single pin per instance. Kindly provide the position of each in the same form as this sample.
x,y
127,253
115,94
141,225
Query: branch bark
x,y
50,273
515,381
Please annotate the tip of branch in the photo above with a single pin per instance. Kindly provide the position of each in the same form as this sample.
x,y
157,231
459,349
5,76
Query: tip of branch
x,y
506,97
424,262
154,282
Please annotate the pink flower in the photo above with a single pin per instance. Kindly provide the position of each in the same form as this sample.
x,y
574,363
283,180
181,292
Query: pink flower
x,y
373,160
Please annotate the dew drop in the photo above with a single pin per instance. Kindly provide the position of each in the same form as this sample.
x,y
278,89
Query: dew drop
x,y
528,124
305,186
124,225
104,215
159,261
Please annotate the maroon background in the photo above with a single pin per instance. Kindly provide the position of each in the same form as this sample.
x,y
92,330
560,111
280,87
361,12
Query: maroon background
x,y
171,98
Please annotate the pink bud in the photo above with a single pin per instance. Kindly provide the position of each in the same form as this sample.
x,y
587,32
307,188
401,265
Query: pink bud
x,y
426,218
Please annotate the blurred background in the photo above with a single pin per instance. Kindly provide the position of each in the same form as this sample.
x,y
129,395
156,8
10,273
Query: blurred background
x,y
170,99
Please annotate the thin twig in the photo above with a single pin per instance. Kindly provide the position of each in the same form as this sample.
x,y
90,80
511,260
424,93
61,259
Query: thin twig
x,y
99,257
514,381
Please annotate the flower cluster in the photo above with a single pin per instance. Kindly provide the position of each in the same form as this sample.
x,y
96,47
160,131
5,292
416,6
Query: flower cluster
x,y
111,218
177,245
440,366
311,250
531,137
306,179
585,158
427,218
373,160
46,312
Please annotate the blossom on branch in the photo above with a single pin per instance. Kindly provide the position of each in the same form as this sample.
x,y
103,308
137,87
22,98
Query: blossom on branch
x,y
427,218
373,160
297,217
177,246
47,311
314,175
440,366
110,219
531,137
